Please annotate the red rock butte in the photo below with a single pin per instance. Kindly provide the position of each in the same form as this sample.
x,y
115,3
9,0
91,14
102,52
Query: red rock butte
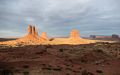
x,y
75,35
32,38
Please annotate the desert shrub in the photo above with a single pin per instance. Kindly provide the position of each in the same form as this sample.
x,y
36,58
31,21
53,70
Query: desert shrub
x,y
67,74
16,70
39,53
26,73
68,69
48,46
51,39
7,72
49,65
61,50
25,66
99,50
99,71
47,68
36,46
76,71
43,64
83,60
57,69
116,73
85,72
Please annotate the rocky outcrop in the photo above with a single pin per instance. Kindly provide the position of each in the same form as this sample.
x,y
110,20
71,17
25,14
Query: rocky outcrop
x,y
32,30
36,32
75,34
32,38
44,35
29,30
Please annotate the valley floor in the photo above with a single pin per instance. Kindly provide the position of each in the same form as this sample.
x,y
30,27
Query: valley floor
x,y
84,59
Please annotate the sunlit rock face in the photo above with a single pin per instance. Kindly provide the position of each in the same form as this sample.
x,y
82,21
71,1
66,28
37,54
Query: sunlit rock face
x,y
44,35
29,30
32,37
73,39
32,30
74,34
36,32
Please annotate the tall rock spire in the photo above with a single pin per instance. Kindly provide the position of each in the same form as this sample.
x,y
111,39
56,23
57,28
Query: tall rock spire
x,y
29,30
33,30
36,32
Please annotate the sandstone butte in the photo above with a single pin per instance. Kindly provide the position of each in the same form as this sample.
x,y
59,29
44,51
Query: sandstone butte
x,y
32,38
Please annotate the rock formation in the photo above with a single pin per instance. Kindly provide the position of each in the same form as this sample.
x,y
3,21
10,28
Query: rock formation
x,y
32,38
34,31
44,35
75,34
29,30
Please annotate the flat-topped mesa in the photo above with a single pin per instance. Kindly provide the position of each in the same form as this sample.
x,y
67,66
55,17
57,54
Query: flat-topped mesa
x,y
75,34
44,35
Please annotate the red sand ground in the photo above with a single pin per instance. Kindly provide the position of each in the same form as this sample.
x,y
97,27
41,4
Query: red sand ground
x,y
87,59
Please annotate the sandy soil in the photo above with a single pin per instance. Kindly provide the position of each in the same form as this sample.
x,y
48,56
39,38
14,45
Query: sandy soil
x,y
85,59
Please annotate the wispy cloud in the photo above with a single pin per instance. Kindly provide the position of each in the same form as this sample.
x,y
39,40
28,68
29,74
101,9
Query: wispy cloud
x,y
58,17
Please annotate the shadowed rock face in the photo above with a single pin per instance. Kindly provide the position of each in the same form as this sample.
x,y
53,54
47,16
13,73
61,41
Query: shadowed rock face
x,y
32,30
74,34
29,30
36,32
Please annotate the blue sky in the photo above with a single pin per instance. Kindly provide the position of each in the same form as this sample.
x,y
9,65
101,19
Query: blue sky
x,y
58,17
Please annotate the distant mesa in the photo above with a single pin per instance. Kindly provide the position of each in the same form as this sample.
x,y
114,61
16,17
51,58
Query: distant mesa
x,y
113,36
